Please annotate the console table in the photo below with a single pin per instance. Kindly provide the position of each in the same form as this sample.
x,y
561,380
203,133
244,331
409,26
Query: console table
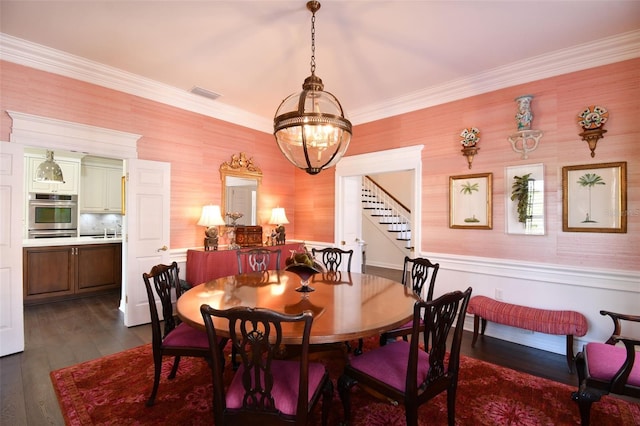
x,y
203,266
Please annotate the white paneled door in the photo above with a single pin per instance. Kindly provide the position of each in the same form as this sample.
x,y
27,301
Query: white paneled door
x,y
11,233
147,232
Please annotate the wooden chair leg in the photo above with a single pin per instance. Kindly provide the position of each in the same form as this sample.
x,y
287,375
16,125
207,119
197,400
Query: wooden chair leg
x,y
174,369
344,391
327,398
157,369
451,405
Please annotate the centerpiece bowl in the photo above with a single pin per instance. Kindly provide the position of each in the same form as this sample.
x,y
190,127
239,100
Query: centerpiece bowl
x,y
304,271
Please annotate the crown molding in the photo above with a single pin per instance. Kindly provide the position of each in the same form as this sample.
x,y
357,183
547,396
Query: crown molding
x,y
589,55
40,57
605,51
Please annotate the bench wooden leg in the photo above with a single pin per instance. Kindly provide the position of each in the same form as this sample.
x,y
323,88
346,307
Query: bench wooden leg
x,y
570,352
476,328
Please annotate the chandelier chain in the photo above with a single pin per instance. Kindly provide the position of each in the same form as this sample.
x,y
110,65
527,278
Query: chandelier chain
x,y
313,43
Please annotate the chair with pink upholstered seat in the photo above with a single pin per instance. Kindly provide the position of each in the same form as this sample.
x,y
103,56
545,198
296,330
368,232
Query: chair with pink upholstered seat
x,y
605,368
412,373
178,339
415,274
266,389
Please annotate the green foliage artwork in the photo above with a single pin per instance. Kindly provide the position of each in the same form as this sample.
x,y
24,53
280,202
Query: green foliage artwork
x,y
520,193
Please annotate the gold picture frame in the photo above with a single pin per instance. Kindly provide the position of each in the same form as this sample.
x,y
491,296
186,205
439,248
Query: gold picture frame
x,y
594,198
470,204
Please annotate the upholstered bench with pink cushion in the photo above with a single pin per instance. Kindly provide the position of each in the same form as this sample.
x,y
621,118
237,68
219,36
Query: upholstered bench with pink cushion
x,y
568,323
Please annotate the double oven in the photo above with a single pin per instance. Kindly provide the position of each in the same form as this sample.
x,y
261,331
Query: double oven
x,y
53,215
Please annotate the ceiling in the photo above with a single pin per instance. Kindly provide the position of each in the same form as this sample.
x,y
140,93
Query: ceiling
x,y
380,58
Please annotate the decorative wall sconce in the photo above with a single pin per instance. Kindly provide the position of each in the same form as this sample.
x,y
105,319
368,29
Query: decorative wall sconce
x,y
525,140
211,218
469,138
592,119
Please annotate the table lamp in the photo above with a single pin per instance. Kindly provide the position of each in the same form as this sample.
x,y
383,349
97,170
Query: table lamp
x,y
211,218
278,218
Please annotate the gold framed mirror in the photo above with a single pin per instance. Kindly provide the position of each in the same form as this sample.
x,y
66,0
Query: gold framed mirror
x,y
241,180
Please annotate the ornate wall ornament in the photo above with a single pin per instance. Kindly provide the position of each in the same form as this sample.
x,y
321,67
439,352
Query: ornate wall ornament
x,y
239,162
469,138
525,140
591,119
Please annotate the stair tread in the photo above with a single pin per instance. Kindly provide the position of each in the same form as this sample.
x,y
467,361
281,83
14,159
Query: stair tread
x,y
387,217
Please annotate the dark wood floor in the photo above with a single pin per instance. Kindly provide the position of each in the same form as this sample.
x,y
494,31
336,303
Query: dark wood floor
x,y
65,333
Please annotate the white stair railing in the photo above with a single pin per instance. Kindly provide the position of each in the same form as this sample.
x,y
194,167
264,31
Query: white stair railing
x,y
388,211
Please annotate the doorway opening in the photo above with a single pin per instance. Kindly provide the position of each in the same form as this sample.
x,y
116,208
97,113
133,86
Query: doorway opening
x,y
349,173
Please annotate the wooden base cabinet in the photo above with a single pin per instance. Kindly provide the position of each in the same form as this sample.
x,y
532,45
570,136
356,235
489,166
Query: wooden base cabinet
x,y
58,272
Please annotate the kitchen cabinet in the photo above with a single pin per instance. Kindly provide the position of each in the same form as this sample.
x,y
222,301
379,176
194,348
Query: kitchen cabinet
x,y
70,173
101,188
58,272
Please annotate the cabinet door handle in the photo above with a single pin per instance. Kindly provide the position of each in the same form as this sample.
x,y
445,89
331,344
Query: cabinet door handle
x,y
163,248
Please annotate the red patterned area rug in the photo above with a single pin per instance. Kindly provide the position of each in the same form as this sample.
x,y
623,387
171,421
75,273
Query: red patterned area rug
x,y
113,390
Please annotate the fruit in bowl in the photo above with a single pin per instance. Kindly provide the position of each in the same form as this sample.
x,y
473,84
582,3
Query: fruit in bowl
x,y
303,258
303,265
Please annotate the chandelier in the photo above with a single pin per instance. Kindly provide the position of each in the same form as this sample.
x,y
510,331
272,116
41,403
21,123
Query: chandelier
x,y
309,126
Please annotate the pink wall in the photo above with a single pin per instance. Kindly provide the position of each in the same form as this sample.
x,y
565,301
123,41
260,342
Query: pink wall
x,y
556,104
195,146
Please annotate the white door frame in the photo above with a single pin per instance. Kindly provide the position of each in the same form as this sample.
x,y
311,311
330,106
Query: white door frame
x,y
11,225
392,160
35,131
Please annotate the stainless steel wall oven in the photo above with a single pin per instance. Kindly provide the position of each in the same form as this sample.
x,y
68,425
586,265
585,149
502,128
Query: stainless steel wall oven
x,y
53,215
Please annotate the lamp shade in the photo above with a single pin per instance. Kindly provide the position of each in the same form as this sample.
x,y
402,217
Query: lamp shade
x,y
278,217
49,171
211,216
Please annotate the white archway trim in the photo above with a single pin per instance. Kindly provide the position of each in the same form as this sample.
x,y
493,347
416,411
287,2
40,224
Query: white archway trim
x,y
49,133
392,160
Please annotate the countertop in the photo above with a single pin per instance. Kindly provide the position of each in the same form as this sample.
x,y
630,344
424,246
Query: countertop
x,y
44,242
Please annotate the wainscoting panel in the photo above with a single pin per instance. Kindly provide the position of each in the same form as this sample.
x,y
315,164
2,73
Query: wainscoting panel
x,y
586,290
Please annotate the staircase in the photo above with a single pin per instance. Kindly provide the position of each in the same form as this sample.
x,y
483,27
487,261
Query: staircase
x,y
389,213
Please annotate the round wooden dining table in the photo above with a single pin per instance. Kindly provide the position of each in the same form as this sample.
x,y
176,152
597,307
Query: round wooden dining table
x,y
346,306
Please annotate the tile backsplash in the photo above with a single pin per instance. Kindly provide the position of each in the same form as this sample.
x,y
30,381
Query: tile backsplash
x,y
96,223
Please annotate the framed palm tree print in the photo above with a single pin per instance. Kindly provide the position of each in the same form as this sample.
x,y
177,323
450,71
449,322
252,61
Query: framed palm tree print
x,y
594,198
470,201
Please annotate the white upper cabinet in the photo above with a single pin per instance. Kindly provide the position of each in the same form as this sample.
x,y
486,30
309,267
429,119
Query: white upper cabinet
x,y
101,186
70,172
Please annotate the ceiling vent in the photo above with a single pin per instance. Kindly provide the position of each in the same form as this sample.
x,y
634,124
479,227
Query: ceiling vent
x,y
204,93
